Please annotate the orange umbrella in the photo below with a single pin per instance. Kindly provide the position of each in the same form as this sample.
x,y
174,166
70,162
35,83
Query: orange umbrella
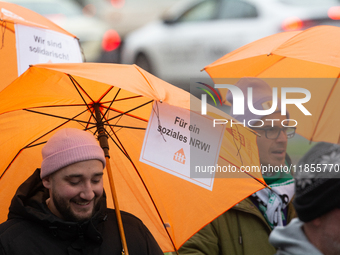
x,y
120,97
312,55
29,38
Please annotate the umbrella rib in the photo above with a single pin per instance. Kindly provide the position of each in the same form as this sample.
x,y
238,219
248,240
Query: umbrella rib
x,y
120,146
3,28
107,109
268,55
113,125
73,82
88,123
123,99
60,117
237,147
30,146
4,24
324,106
51,106
121,113
125,113
104,94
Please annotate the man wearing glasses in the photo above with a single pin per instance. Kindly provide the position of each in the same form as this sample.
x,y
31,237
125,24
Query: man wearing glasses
x,y
245,228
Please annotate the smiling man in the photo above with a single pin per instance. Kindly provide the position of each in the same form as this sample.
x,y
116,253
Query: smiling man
x,y
245,228
61,209
75,190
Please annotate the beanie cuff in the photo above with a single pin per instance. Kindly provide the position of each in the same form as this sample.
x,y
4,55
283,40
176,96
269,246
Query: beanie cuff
x,y
319,201
70,156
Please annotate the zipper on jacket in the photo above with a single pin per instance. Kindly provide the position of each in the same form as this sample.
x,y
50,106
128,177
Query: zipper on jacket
x,y
240,239
53,230
239,230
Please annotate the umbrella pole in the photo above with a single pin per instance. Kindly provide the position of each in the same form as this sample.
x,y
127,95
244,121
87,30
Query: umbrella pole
x,y
103,140
115,201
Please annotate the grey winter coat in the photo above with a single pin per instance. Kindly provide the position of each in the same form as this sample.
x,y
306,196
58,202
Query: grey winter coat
x,y
291,240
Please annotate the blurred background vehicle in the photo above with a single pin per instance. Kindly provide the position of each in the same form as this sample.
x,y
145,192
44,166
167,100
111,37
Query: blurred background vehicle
x,y
194,33
127,15
124,16
96,38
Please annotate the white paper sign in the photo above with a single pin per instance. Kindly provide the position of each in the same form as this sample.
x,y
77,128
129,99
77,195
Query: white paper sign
x,y
178,140
38,45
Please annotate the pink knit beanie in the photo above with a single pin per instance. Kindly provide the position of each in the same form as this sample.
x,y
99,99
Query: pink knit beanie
x,y
68,146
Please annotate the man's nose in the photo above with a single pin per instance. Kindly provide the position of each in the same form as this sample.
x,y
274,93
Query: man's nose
x,y
282,137
87,192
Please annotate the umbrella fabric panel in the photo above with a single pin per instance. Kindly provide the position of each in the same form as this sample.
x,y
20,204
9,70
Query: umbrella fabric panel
x,y
319,45
271,66
329,115
321,89
312,53
8,55
316,45
323,102
257,48
291,68
298,48
21,170
127,77
14,137
20,15
11,14
21,162
37,91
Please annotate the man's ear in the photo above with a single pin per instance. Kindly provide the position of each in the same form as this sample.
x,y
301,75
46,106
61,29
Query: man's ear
x,y
317,222
47,182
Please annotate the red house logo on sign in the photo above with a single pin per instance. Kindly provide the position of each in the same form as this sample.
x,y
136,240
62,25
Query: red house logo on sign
x,y
179,156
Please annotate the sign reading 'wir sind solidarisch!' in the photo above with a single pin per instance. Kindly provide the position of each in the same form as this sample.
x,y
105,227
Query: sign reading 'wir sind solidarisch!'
x,y
38,45
177,140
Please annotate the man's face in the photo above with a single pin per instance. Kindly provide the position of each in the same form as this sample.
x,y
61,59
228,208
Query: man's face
x,y
272,151
329,232
75,190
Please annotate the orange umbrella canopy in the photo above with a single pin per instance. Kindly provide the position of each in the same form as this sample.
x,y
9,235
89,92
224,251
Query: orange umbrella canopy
x,y
52,96
307,59
12,15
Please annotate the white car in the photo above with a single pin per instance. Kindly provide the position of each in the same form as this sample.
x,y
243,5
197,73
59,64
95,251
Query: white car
x,y
127,15
197,32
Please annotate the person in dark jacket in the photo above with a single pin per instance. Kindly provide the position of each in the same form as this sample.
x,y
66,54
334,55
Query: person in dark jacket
x,y
61,208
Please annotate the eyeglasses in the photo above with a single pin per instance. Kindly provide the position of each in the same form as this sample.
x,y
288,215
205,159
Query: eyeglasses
x,y
274,132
